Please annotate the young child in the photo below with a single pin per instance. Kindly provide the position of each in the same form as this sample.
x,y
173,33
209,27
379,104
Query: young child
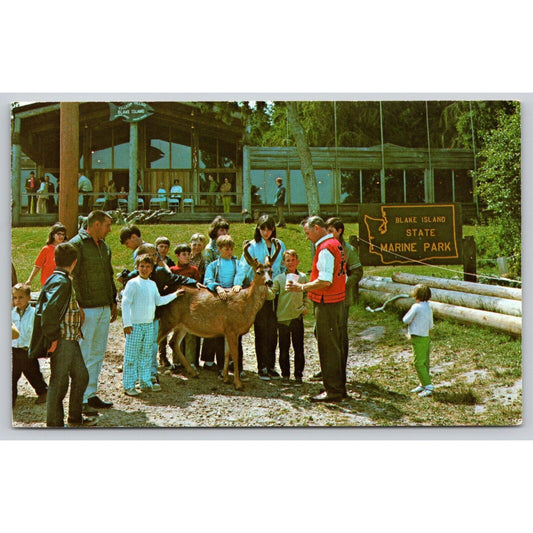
x,y
163,244
420,320
292,307
184,268
220,275
130,237
140,299
197,244
57,326
22,316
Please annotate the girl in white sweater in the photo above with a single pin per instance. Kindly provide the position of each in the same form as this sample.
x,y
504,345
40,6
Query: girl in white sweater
x,y
139,301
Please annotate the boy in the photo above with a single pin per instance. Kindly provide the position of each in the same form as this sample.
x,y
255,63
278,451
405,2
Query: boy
x,y
56,330
197,244
420,320
163,244
130,237
291,308
184,268
219,278
22,316
140,299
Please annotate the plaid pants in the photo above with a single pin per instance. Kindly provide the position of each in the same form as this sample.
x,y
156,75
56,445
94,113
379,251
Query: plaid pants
x,y
138,356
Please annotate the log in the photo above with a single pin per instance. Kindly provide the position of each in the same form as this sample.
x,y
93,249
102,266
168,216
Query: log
x,y
511,325
473,301
456,285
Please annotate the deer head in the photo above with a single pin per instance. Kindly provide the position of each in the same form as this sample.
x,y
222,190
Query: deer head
x,y
262,271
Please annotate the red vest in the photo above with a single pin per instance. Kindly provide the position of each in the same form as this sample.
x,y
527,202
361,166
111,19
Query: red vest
x,y
336,291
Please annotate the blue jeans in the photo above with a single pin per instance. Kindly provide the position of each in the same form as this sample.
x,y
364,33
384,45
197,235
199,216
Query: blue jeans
x,y
66,362
95,331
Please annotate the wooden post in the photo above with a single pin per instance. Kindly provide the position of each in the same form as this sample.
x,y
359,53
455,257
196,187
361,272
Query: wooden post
x,y
246,180
69,150
469,259
16,198
134,165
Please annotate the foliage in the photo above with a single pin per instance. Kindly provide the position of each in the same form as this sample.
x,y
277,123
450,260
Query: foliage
x,y
499,182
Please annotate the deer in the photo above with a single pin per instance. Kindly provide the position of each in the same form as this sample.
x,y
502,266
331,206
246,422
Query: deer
x,y
204,314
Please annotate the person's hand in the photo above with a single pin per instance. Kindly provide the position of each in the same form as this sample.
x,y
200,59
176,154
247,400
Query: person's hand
x,y
53,347
82,316
222,293
294,286
236,288
128,330
200,286
113,312
180,292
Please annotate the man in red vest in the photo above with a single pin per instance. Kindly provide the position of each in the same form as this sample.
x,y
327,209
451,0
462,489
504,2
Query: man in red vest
x,y
327,290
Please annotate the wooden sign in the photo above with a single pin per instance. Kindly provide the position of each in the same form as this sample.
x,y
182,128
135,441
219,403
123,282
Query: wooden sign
x,y
130,112
402,234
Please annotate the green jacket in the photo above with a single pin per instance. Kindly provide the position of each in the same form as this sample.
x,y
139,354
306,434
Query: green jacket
x,y
93,274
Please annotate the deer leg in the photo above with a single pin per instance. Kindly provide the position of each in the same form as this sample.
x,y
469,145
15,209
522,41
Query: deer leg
x,y
233,343
226,361
174,343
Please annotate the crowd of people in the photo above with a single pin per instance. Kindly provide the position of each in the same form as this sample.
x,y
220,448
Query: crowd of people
x,y
78,301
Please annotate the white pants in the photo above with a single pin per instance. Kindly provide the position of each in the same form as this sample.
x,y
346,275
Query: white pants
x,y
95,331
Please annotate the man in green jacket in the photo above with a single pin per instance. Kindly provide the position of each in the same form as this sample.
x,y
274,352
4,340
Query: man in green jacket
x,y
97,296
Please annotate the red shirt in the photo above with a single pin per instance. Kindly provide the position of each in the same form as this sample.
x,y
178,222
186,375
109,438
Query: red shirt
x,y
189,271
336,291
46,262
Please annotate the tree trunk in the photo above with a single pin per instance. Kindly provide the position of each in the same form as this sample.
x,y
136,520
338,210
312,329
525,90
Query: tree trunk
x,y
456,285
473,301
511,325
306,162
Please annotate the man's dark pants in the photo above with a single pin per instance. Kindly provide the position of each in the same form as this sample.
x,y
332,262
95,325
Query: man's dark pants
x,y
329,333
22,364
294,330
66,362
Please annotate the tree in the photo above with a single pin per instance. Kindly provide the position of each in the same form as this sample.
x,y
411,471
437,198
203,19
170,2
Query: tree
x,y
499,181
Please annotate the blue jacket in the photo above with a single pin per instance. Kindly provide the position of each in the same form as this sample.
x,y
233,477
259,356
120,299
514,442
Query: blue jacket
x,y
259,250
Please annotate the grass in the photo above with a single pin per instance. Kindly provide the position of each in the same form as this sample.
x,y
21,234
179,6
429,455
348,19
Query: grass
x,y
468,363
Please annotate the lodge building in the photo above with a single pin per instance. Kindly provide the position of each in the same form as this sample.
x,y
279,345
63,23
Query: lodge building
x,y
180,141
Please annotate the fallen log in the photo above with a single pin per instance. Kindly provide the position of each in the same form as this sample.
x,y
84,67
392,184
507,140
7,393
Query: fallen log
x,y
511,325
497,291
473,301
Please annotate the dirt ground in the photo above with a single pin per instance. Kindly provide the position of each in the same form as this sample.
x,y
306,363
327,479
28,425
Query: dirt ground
x,y
208,402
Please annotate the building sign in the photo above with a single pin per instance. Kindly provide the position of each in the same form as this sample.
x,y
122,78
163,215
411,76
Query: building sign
x,y
400,234
131,112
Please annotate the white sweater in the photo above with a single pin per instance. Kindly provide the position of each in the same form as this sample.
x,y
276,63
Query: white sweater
x,y
139,301
419,318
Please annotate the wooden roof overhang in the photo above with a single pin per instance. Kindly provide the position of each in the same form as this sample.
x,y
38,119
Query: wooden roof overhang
x,y
40,124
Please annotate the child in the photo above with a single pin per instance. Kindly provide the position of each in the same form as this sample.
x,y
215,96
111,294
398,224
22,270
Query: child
x,y
420,321
130,237
163,244
291,308
22,316
56,330
184,268
197,244
140,299
219,277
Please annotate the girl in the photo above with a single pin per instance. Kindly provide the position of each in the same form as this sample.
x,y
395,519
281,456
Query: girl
x,y
265,320
45,261
420,321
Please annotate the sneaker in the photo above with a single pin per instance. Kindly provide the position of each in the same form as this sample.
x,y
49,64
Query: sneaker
x,y
316,377
132,392
298,382
41,398
426,392
273,374
418,389
156,387
263,374
244,376
85,421
210,366
285,381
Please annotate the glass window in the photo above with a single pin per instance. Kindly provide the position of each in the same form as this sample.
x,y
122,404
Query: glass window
x,y
443,185
371,187
121,155
415,186
208,152
394,186
158,147
258,186
180,149
101,150
298,195
463,186
227,154
350,186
